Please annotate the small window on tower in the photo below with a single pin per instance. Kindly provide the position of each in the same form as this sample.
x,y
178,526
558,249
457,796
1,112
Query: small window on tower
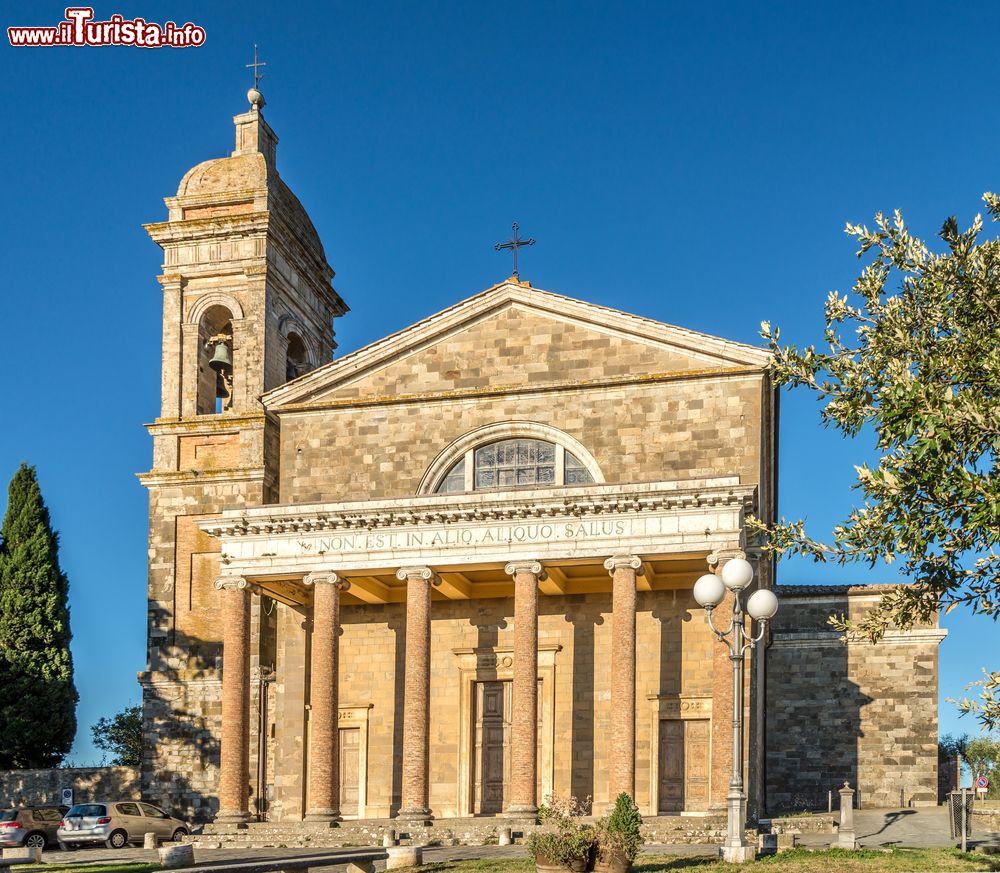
x,y
297,359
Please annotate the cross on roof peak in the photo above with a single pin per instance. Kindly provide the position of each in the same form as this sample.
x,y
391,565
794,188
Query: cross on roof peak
x,y
514,243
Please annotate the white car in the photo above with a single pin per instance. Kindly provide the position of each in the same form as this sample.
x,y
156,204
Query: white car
x,y
116,824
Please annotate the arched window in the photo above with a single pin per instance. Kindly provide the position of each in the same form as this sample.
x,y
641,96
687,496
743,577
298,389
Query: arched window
x,y
514,463
215,361
296,359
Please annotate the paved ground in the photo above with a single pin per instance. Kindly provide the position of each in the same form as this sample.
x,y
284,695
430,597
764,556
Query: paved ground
x,y
923,828
918,828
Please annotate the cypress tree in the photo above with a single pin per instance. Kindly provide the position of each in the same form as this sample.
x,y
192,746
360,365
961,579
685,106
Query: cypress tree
x,y
37,695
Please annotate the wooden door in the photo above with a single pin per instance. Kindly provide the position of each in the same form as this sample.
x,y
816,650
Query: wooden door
x,y
684,765
491,755
350,747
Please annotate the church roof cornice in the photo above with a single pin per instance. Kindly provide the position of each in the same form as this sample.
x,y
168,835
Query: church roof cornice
x,y
519,505
182,230
524,390
511,293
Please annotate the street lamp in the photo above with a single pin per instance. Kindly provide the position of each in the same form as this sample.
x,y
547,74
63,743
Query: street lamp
x,y
709,591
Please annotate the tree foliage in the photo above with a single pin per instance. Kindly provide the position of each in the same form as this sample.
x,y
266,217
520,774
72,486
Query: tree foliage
x,y
121,736
982,754
37,695
912,355
951,746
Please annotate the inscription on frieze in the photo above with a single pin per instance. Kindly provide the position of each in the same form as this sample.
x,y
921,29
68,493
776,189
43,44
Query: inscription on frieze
x,y
503,534
689,706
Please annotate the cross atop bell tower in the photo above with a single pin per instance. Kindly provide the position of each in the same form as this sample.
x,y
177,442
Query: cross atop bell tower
x,y
253,134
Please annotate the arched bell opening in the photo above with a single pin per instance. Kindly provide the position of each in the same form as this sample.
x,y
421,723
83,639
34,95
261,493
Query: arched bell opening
x,y
296,358
215,361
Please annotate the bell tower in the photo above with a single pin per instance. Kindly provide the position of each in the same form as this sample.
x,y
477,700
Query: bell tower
x,y
248,304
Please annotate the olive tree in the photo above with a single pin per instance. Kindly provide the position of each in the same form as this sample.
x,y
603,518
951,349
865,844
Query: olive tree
x,y
912,356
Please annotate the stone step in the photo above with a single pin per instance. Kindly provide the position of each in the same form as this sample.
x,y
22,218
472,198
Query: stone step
x,y
466,831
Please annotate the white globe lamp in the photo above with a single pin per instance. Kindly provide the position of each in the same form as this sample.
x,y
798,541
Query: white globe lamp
x,y
737,573
709,591
762,605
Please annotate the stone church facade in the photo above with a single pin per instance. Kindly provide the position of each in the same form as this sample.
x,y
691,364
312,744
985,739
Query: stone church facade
x,y
450,574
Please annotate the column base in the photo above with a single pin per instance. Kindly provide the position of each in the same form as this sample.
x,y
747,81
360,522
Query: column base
x,y
232,817
522,812
738,854
415,816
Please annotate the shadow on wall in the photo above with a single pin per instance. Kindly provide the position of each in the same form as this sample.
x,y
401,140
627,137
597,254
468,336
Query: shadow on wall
x,y
585,616
181,714
813,712
29,787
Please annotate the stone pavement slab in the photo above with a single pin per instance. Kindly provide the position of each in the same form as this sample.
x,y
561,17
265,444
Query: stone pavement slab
x,y
918,828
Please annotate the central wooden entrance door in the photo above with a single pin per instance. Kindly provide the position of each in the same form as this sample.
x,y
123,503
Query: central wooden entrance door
x,y
491,737
684,764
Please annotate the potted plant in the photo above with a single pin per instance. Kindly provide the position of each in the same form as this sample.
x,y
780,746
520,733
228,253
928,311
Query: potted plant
x,y
618,837
562,842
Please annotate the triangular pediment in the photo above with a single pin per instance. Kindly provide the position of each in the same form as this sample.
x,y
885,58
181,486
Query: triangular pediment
x,y
514,335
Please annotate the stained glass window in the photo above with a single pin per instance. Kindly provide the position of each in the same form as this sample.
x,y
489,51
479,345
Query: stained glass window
x,y
515,463
455,480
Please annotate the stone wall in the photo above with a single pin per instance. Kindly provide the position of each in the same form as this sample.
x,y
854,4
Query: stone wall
x,y
855,712
26,787
651,432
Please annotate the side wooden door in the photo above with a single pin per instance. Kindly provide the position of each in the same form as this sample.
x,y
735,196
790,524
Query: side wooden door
x,y
684,765
350,748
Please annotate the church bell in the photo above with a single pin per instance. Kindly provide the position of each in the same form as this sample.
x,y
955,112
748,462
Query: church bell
x,y
221,360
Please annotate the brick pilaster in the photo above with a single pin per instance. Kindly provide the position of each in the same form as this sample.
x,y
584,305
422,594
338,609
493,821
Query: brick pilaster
x,y
524,717
234,757
416,693
324,697
623,569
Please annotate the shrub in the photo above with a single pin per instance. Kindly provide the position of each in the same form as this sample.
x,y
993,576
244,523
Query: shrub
x,y
620,831
562,838
561,846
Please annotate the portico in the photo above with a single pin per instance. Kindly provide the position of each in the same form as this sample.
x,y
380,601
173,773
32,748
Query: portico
x,y
546,550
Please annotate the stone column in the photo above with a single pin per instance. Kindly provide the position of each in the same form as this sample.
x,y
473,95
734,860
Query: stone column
x,y
324,697
234,757
623,570
416,693
524,718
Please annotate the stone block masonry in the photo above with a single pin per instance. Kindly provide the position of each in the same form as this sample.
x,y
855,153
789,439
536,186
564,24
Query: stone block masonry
x,y
848,711
28,787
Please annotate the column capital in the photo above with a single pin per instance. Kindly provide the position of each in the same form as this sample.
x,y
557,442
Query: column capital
x,y
326,578
623,562
234,582
719,557
533,567
425,573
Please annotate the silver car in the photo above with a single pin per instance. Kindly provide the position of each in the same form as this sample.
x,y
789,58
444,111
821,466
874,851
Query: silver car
x,y
116,824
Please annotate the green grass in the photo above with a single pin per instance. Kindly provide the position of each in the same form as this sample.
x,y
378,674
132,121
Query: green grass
x,y
794,861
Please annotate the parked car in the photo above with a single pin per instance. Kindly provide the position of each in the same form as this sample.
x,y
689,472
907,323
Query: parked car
x,y
116,824
31,826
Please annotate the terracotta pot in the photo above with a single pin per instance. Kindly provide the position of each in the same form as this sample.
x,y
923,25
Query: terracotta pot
x,y
546,865
611,862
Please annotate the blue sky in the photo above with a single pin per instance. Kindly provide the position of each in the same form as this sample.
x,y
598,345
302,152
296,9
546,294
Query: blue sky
x,y
693,163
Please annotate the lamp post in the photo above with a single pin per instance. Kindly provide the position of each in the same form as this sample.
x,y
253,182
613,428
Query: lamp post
x,y
709,591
